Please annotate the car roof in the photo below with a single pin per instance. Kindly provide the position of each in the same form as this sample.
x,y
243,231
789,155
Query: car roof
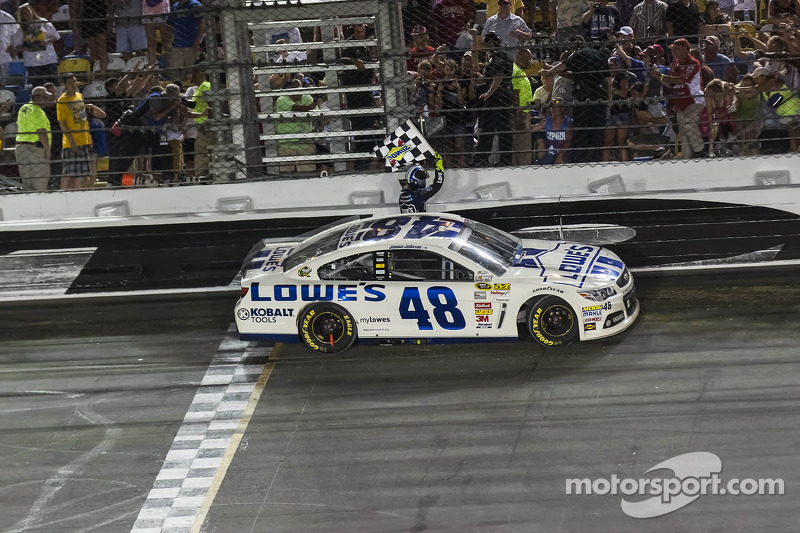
x,y
436,229
414,230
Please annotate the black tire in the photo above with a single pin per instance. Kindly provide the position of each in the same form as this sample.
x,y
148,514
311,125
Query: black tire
x,y
327,328
552,322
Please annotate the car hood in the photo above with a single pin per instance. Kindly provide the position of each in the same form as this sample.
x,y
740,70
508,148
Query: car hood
x,y
567,263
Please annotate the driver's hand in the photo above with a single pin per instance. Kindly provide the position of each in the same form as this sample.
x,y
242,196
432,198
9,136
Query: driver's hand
x,y
439,161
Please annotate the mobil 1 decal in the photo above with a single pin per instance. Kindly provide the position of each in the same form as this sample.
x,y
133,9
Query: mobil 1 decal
x,y
569,264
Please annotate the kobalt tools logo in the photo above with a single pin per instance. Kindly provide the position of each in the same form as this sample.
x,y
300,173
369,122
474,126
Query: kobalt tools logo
x,y
694,474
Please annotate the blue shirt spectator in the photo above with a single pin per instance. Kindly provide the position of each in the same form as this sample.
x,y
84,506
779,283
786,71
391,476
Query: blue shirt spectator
x,y
185,23
711,56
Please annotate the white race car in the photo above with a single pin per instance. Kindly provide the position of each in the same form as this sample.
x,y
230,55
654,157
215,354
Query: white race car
x,y
432,277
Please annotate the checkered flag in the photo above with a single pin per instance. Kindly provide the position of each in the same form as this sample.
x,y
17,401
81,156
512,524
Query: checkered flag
x,y
403,147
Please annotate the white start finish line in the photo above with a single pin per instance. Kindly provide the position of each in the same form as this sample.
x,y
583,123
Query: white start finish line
x,y
207,440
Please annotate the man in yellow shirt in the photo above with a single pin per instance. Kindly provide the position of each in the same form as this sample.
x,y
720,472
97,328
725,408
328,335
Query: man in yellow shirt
x,y
521,85
77,143
33,140
204,135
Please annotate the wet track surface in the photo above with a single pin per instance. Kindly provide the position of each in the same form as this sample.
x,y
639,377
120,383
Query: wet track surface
x,y
408,438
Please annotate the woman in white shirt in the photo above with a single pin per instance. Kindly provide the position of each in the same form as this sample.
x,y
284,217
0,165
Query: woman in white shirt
x,y
35,39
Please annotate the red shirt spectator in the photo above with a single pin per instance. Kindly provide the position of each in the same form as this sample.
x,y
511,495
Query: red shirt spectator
x,y
421,49
690,90
451,17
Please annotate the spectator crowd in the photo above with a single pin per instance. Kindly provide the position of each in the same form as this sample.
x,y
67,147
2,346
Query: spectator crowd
x,y
546,82
97,90
86,90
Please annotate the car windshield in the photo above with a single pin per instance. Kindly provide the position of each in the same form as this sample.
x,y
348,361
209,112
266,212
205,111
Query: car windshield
x,y
489,247
314,247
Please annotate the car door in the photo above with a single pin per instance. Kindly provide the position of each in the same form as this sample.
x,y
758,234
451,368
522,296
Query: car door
x,y
428,294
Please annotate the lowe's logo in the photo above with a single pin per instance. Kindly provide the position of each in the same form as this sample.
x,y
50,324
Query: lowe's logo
x,y
366,292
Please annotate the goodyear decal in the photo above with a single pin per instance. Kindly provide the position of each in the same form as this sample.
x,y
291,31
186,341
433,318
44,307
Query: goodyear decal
x,y
590,326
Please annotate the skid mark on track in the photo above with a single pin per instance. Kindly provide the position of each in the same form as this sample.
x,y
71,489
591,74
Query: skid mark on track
x,y
38,511
208,438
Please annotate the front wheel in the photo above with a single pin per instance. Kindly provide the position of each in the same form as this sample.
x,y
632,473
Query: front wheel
x,y
327,328
552,322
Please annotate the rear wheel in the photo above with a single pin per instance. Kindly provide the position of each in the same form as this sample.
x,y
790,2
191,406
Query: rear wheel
x,y
327,328
552,322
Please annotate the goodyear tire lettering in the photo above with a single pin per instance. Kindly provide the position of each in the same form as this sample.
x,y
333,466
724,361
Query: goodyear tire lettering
x,y
551,322
327,328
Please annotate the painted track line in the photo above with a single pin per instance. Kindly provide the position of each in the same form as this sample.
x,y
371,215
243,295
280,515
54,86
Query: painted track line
x,y
208,438
235,441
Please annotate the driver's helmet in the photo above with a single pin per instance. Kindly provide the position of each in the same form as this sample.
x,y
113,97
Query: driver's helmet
x,y
416,176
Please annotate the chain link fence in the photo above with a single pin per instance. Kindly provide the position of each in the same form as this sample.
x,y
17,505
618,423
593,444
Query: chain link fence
x,y
148,92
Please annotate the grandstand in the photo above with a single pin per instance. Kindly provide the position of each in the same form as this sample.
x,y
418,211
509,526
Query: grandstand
x,y
287,90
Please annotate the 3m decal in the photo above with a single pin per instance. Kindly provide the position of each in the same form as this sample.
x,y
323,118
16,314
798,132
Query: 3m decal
x,y
445,308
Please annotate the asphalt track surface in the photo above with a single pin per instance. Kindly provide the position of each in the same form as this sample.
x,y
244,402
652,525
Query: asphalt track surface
x,y
408,438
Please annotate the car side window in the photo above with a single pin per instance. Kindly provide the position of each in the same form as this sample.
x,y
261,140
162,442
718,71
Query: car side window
x,y
359,267
420,265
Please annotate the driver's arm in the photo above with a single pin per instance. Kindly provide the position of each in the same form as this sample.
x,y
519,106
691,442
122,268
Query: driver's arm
x,y
438,178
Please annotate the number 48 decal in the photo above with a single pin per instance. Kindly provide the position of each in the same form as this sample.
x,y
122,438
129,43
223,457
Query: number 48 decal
x,y
446,312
